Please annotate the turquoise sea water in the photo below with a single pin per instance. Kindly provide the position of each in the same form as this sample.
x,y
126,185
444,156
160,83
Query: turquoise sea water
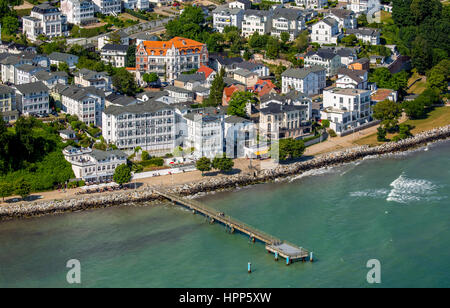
x,y
395,209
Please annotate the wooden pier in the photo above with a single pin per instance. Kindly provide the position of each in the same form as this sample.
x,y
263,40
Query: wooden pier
x,y
279,248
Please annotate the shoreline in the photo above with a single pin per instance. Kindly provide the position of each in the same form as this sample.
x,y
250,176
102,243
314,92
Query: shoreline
x,y
281,172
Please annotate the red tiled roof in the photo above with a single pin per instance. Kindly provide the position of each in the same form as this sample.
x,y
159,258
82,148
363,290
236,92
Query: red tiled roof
x,y
206,70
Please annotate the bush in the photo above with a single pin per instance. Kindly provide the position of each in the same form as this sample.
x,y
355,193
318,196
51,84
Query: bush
x,y
332,133
122,174
145,155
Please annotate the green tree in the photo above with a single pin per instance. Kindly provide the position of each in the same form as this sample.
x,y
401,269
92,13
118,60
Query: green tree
x,y
381,133
145,155
238,102
224,164
150,77
131,56
302,41
388,112
216,90
203,164
414,109
63,67
272,48
350,40
23,188
290,148
10,25
122,174
124,82
6,189
285,36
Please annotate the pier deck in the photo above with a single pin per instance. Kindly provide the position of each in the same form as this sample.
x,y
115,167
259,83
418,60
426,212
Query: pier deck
x,y
274,245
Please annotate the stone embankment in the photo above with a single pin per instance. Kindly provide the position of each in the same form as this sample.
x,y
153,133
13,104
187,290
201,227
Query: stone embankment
x,y
326,160
37,208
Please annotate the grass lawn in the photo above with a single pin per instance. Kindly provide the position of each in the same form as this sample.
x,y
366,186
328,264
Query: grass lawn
x,y
438,117
419,86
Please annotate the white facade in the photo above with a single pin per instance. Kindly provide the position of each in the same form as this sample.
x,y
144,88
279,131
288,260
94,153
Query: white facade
x,y
309,81
325,31
327,59
86,103
224,16
46,20
287,20
355,79
239,133
108,7
345,18
78,11
256,21
367,35
32,98
98,80
312,4
136,4
150,125
346,109
93,165
242,4
114,54
205,135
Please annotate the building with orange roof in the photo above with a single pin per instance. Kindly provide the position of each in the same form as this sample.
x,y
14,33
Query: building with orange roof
x,y
210,74
170,58
360,64
383,94
263,87
228,92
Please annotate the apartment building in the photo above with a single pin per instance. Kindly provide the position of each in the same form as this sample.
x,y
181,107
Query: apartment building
x,y
45,19
78,12
170,58
8,104
326,31
51,79
92,165
260,69
114,54
367,35
325,58
56,58
136,4
346,109
345,18
239,133
98,80
32,98
86,103
311,4
256,21
108,7
241,4
355,79
287,20
24,73
149,125
205,134
224,16
310,80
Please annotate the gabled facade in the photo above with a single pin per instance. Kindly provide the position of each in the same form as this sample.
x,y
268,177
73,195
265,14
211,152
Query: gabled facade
x,y
287,20
223,16
256,21
309,80
326,31
345,18
32,98
325,58
98,80
355,79
45,19
170,58
367,35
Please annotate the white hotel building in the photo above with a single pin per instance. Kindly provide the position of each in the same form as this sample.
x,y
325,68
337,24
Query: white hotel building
x,y
93,165
108,7
256,21
78,12
310,80
46,20
205,134
32,98
346,109
224,16
149,125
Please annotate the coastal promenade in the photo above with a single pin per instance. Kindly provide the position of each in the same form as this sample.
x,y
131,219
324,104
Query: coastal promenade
x,y
286,250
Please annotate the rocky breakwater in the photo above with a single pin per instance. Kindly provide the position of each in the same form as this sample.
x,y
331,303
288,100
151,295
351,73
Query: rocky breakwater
x,y
326,160
37,208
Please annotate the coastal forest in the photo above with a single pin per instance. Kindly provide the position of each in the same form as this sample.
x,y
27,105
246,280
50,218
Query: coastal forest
x,y
31,155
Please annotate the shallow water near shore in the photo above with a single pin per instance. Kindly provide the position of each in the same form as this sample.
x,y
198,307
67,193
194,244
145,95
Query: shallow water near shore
x,y
395,209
